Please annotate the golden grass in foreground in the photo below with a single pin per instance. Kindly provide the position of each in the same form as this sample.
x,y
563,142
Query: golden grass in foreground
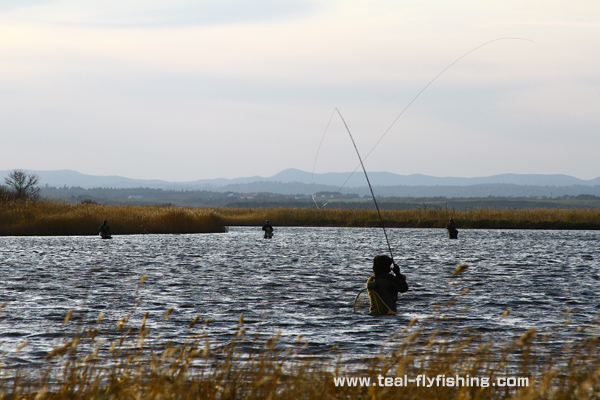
x,y
50,218
116,363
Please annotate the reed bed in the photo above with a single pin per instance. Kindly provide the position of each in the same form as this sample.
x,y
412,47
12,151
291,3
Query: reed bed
x,y
52,218
38,218
120,361
491,218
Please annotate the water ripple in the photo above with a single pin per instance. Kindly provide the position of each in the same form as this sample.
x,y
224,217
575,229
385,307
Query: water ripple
x,y
303,281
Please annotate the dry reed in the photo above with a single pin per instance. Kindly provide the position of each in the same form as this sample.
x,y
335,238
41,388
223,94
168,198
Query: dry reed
x,y
51,218
102,362
540,218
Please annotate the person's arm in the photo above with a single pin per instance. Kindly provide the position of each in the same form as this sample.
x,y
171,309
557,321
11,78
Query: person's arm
x,y
371,283
403,286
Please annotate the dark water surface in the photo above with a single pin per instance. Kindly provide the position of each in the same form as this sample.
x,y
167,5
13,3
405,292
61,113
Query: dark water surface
x,y
303,281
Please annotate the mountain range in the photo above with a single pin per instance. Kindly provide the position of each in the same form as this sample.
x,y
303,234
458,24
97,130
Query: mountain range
x,y
69,178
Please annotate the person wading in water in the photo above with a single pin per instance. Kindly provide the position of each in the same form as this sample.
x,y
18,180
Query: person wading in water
x,y
268,228
104,230
383,287
452,231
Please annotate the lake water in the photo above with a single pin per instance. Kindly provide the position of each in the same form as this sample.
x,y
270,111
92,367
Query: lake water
x,y
303,281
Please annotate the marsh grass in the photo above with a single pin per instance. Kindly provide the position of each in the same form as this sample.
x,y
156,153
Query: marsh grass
x,y
541,218
51,218
103,360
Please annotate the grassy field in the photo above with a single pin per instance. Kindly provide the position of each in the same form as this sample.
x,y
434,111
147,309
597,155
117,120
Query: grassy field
x,y
121,361
50,218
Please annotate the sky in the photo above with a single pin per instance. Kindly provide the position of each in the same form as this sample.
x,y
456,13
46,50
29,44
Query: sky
x,y
182,90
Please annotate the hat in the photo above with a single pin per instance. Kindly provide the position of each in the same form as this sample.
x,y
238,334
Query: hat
x,y
381,264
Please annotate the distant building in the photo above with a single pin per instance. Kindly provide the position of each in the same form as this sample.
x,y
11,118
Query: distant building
x,y
135,196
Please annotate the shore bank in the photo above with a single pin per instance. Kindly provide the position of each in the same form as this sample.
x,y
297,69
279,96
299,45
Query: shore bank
x,y
27,218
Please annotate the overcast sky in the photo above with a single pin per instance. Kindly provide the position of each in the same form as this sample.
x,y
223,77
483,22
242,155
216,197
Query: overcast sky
x,y
183,90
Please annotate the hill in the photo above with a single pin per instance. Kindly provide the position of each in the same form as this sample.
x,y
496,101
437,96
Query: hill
x,y
294,181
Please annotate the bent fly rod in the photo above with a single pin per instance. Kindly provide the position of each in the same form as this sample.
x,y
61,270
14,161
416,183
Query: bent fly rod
x,y
369,183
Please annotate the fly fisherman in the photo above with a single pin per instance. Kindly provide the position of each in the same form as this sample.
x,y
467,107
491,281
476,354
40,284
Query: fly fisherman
x,y
383,287
452,231
104,230
268,228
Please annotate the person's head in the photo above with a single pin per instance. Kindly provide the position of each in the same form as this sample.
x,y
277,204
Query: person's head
x,y
105,221
267,222
381,264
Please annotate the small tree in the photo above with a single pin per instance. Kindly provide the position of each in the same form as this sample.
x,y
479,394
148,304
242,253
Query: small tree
x,y
23,185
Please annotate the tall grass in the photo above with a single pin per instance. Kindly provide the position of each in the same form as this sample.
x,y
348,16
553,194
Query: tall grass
x,y
51,218
540,218
122,362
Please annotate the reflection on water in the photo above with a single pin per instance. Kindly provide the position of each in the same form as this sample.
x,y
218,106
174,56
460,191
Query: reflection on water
x,y
303,281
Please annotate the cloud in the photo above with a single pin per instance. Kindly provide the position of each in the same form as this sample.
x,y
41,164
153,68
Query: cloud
x,y
11,5
158,13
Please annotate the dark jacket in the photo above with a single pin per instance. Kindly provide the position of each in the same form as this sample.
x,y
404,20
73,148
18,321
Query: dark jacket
x,y
451,226
104,230
387,287
267,228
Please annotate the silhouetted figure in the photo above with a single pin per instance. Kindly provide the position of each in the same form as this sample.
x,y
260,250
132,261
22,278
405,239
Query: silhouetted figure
x,y
268,228
105,231
452,231
383,287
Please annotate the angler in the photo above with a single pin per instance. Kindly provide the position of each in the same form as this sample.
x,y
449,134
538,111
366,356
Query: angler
x,y
104,231
452,231
383,287
268,228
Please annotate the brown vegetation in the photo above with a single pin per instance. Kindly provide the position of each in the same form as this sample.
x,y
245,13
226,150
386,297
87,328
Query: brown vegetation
x,y
27,217
122,362
490,218
35,218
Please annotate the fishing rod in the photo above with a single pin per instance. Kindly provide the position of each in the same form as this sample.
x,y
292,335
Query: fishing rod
x,y
390,127
369,183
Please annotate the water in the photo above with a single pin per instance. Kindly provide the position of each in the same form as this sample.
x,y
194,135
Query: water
x,y
303,281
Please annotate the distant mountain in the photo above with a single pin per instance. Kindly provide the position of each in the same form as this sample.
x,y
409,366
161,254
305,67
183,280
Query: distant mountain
x,y
70,178
349,180
357,179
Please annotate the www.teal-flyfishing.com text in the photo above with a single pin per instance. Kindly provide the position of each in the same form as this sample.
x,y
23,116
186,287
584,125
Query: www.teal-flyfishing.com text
x,y
439,380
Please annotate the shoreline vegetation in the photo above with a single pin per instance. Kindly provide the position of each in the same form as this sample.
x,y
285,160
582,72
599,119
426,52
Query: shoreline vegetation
x,y
104,359
45,218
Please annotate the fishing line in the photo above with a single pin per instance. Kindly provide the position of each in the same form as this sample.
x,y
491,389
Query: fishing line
x,y
433,80
315,162
369,183
409,104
